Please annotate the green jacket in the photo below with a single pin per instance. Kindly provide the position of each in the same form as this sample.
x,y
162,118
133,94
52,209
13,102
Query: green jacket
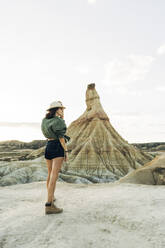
x,y
54,128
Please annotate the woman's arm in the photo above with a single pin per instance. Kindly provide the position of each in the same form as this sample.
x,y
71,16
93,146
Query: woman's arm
x,y
62,141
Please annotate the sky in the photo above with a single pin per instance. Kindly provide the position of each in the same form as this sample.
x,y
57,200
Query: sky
x,y
51,50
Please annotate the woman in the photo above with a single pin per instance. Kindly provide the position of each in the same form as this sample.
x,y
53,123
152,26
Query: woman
x,y
53,128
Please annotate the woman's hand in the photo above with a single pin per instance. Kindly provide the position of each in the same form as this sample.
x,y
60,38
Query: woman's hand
x,y
60,113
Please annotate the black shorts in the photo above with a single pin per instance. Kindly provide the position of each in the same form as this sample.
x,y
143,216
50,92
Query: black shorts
x,y
54,149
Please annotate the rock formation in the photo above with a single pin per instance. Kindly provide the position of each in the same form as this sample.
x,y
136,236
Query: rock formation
x,y
152,173
96,149
14,150
16,172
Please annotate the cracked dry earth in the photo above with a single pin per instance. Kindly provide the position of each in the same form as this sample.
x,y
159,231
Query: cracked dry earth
x,y
98,215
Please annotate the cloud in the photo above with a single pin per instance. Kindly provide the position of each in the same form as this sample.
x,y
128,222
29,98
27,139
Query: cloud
x,y
91,1
161,89
126,114
129,92
129,69
161,50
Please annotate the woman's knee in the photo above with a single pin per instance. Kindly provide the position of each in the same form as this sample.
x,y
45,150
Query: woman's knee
x,y
54,175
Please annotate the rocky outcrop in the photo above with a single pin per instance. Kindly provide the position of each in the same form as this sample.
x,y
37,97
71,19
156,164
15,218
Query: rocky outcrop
x,y
36,153
14,150
22,162
96,149
14,155
152,173
22,171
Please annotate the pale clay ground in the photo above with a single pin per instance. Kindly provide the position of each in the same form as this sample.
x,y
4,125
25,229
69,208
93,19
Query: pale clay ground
x,y
108,215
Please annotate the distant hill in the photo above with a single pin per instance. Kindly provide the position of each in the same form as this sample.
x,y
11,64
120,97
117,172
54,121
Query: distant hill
x,y
16,144
153,146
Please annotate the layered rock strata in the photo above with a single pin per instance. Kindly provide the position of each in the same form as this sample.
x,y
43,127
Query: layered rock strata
x,y
96,148
152,173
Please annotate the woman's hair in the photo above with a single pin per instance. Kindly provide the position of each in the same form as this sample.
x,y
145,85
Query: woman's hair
x,y
51,113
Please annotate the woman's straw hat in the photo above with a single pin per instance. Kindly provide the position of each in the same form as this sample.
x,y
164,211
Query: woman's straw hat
x,y
56,104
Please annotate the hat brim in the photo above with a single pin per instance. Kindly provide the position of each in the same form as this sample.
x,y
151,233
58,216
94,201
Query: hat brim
x,y
55,107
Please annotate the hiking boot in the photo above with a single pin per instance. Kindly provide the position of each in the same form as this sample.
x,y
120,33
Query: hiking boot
x,y
52,209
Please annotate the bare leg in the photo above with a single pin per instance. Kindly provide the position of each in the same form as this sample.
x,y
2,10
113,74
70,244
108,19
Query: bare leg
x,y
56,166
49,166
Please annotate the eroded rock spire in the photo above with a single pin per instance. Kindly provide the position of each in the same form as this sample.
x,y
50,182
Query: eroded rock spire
x,y
96,148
